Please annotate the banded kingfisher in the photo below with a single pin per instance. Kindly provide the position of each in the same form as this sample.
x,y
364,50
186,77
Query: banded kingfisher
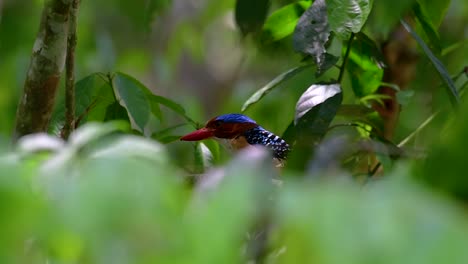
x,y
240,131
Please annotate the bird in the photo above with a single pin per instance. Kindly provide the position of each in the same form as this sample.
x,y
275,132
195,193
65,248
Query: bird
x,y
240,131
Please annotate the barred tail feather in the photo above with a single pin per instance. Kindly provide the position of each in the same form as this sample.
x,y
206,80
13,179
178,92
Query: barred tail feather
x,y
260,136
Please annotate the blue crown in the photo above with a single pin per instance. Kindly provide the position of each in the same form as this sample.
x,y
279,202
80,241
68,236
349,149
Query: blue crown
x,y
234,118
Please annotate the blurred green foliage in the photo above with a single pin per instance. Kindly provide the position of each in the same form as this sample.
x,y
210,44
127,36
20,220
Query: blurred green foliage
x,y
122,189
132,206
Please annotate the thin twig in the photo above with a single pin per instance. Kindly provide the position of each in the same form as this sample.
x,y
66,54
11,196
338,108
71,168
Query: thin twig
x,y
345,58
374,170
70,73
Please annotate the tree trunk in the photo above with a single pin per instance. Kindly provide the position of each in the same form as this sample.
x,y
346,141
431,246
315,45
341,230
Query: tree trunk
x,y
47,63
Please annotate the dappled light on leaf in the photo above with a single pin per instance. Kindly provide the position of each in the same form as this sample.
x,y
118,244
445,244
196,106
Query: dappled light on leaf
x,y
347,16
315,95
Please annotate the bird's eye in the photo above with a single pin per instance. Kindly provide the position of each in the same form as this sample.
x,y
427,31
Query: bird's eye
x,y
218,123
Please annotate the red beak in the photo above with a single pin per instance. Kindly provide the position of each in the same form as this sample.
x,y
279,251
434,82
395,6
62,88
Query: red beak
x,y
200,134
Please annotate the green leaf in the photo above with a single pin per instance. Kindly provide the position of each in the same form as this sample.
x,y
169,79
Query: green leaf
x,y
282,22
259,94
168,139
94,131
451,89
173,106
347,16
131,94
312,32
250,15
311,108
129,146
315,110
93,95
115,112
167,135
426,27
364,66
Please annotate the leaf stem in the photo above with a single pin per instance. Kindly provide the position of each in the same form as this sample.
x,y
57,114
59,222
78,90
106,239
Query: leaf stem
x,y
345,58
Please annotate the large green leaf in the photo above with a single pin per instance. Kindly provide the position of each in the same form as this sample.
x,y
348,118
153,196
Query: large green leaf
x,y
312,32
347,16
451,89
250,15
131,94
315,110
141,103
177,108
364,65
282,22
259,94
93,95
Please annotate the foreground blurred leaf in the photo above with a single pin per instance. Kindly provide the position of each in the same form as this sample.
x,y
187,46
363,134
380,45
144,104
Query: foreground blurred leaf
x,y
33,143
250,15
259,94
312,32
451,89
282,22
63,160
408,225
347,16
365,66
445,166
21,212
133,147
244,187
116,208
94,131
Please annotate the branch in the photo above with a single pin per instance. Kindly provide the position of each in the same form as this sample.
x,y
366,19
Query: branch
x,y
345,58
70,73
47,63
